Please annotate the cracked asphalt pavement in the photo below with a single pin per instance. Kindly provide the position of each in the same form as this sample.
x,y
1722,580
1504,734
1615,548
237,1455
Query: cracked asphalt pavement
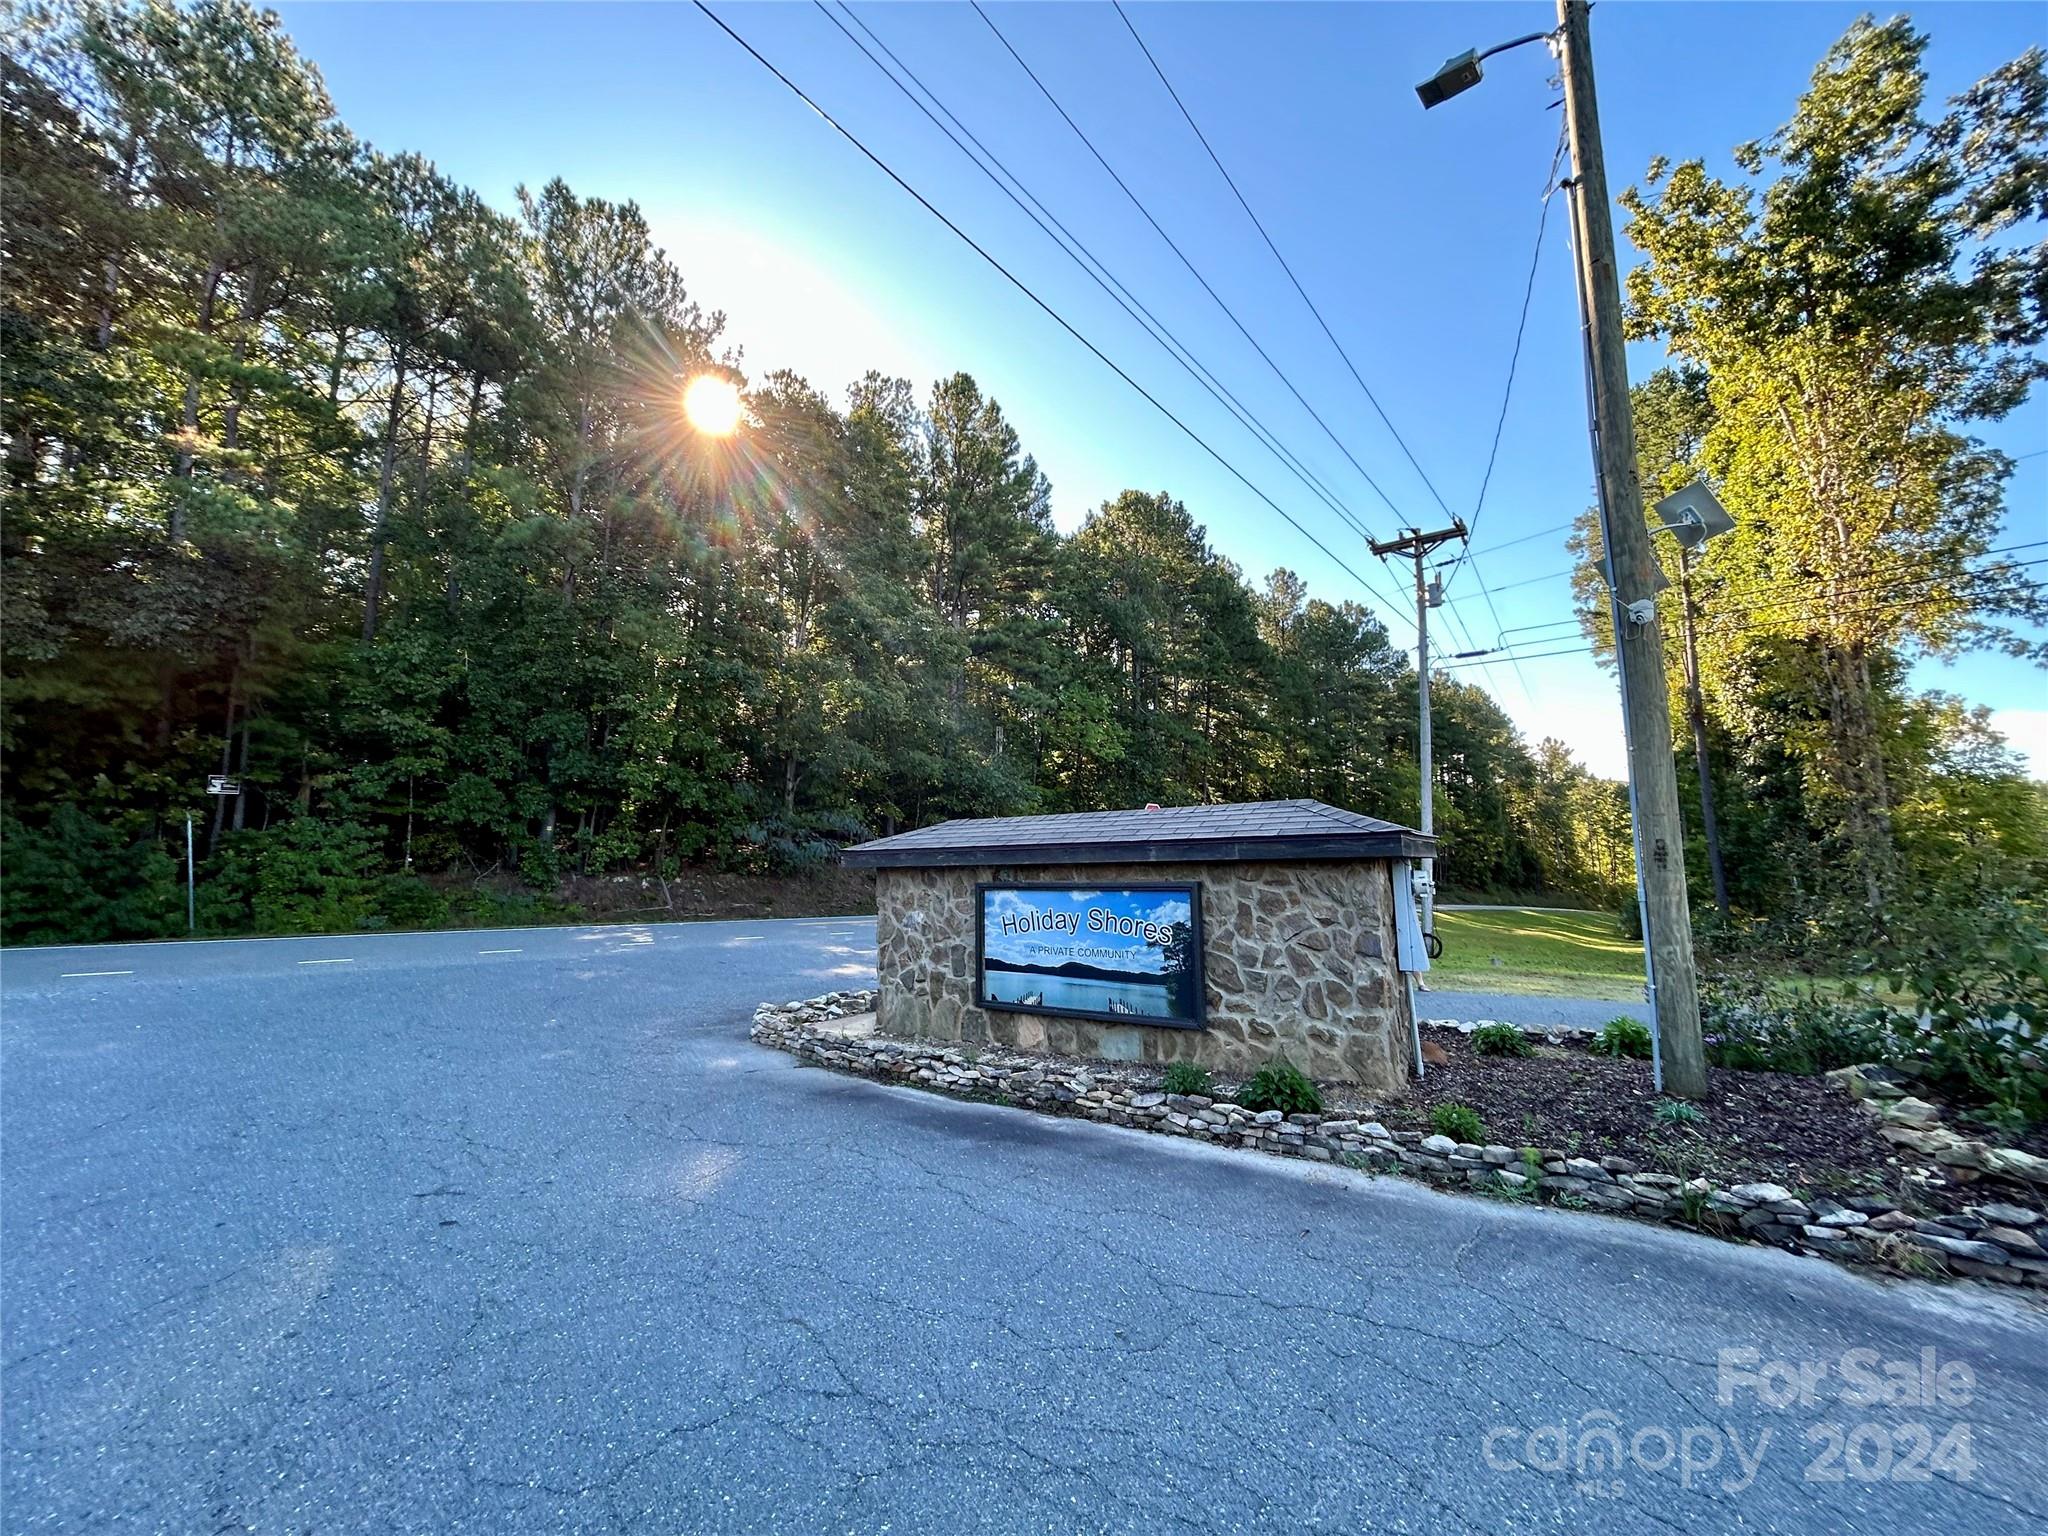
x,y
518,1232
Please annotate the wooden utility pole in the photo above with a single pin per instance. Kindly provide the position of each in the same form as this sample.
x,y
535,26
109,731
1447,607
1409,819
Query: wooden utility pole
x,y
1416,543
1696,718
1632,570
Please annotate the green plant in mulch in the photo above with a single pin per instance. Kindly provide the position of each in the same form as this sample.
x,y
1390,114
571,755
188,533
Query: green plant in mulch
x,y
1623,1036
1501,1040
1457,1121
1185,1077
1677,1114
1692,1207
1281,1085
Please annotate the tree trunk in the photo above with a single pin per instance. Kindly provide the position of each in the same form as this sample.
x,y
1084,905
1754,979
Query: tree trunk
x,y
103,333
427,435
227,746
189,419
1859,771
476,399
1696,716
373,590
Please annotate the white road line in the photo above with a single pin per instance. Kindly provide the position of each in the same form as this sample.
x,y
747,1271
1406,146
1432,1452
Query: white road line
x,y
501,951
68,975
343,960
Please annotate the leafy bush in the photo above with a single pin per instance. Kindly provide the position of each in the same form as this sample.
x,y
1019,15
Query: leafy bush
x,y
1281,1085
1623,1036
1956,993
1979,975
1674,1113
1459,1122
1752,1029
1501,1040
792,845
1185,1077
407,901
307,875
76,881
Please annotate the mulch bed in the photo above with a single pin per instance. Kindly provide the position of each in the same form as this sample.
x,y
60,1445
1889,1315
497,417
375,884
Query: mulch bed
x,y
1801,1131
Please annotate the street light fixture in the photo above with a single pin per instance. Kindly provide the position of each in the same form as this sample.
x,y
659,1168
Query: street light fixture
x,y
1463,72
1670,972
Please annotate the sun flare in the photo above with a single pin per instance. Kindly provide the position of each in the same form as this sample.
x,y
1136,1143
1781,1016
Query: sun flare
x,y
712,405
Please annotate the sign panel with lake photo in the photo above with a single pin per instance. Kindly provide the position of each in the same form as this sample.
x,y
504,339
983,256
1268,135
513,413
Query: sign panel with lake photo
x,y
1129,953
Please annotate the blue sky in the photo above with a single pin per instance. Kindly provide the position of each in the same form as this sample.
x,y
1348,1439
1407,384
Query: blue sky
x,y
1412,230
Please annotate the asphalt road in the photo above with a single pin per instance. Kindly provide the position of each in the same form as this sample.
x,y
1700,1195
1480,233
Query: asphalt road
x,y
518,1232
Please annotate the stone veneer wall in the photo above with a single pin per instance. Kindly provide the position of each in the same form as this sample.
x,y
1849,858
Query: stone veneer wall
x,y
1298,960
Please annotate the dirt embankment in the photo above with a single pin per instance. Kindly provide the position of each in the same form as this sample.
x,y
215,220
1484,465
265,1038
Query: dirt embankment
x,y
697,892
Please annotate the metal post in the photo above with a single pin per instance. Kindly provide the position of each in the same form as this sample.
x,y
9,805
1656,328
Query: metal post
x,y
1428,827
191,897
1632,569
1696,717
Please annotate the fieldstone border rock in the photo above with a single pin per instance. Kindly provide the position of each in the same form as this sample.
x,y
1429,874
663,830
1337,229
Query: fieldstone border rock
x,y
1915,1125
1990,1241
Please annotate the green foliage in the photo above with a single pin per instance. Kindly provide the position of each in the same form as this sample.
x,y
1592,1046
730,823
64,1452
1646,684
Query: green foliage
x,y
302,876
322,470
1677,1114
1501,1040
411,539
1281,1085
1839,313
1979,977
1622,1036
1460,1122
1764,1026
1956,995
1185,1077
79,881
407,901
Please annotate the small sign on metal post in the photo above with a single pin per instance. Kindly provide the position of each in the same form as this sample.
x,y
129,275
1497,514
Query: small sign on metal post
x,y
221,784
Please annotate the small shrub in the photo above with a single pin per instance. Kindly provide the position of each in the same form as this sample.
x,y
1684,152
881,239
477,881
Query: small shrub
x,y
1281,1085
77,881
1623,1036
1501,1040
1676,1113
1185,1077
1457,1121
1752,1028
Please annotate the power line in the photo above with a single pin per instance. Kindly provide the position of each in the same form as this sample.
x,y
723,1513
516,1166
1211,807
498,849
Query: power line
x,y
1759,622
1712,614
1495,614
1525,538
1077,251
1521,325
1172,245
1258,224
1018,283
1774,584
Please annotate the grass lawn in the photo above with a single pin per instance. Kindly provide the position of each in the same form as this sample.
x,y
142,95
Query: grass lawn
x,y
1559,954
